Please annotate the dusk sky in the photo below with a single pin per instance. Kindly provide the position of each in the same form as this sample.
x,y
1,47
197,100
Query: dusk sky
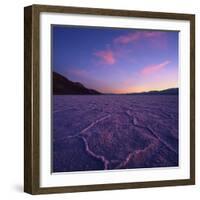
x,y
116,60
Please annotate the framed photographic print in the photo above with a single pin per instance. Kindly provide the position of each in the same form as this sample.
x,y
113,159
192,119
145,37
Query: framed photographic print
x,y
109,99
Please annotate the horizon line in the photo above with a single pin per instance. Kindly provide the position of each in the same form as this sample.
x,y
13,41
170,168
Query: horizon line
x,y
140,91
113,93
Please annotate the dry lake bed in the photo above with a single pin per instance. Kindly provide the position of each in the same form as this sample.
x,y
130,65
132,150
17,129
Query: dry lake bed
x,y
98,132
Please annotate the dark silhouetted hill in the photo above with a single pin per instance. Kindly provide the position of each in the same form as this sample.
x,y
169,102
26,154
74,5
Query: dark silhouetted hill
x,y
62,86
170,91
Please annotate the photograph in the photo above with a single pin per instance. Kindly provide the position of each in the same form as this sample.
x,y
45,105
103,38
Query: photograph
x,y
114,98
109,99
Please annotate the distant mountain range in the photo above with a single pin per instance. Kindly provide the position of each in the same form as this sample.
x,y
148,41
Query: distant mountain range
x,y
62,86
170,91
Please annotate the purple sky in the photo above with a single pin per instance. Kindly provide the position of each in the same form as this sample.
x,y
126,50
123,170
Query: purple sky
x,y
116,60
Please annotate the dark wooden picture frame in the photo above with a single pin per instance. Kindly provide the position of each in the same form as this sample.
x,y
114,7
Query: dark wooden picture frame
x,y
32,96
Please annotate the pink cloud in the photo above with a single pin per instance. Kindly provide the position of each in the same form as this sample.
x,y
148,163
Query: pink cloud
x,y
154,68
153,34
125,39
138,35
115,50
106,56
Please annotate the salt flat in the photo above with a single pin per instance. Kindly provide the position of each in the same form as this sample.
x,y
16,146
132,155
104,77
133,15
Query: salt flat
x,y
98,132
